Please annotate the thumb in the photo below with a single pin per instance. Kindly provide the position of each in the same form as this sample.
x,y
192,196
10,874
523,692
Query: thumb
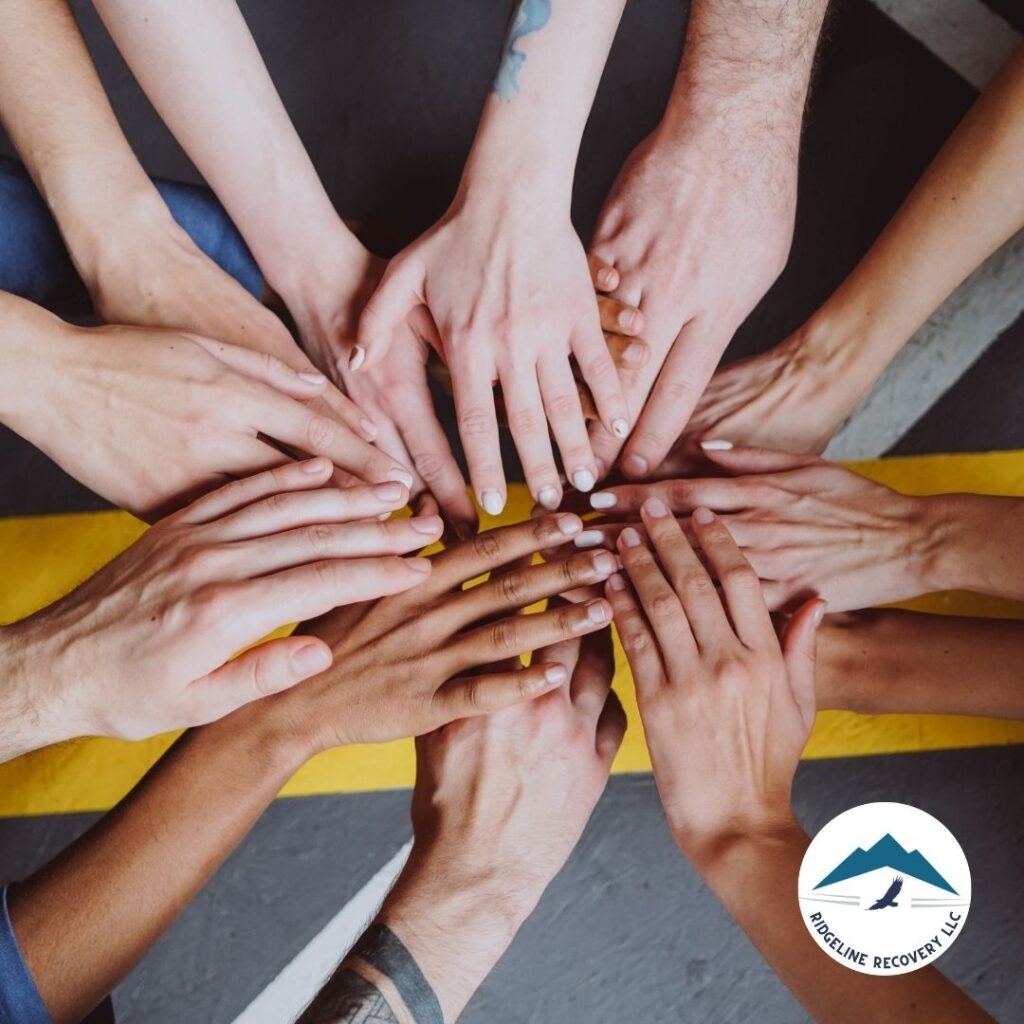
x,y
737,460
258,672
398,294
799,638
302,383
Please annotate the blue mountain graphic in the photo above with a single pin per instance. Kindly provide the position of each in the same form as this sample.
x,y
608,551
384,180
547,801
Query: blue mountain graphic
x,y
886,853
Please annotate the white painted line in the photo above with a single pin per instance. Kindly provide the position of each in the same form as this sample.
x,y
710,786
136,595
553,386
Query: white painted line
x,y
294,988
969,36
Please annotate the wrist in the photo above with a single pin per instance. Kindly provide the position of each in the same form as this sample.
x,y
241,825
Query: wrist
x,y
956,534
733,850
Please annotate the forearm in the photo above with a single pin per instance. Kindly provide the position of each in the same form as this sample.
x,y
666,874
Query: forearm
x,y
892,662
969,201
85,919
755,878
533,121
201,69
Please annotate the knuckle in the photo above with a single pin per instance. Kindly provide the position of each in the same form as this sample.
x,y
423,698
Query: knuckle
x,y
523,421
561,406
697,581
471,694
475,422
512,588
664,606
327,574
278,504
213,603
318,432
429,466
635,640
486,546
742,577
504,635
196,561
319,538
598,369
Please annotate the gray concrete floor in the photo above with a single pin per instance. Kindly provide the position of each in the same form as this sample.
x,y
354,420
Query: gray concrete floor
x,y
626,931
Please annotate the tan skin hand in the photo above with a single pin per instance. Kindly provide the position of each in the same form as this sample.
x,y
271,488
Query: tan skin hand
x,y
726,707
144,645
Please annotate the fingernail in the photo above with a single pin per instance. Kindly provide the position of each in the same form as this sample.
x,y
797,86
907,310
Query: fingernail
x,y
819,613
597,612
314,467
606,277
431,525
627,319
620,428
716,446
492,502
369,428
403,476
548,497
635,465
312,378
656,507
568,524
389,492
357,358
588,538
583,480
311,658
605,563
630,538
419,564
704,516
603,499
616,583
634,353
555,674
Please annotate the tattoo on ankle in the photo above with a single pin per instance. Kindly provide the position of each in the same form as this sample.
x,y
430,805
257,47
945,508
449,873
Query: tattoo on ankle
x,y
348,998
530,16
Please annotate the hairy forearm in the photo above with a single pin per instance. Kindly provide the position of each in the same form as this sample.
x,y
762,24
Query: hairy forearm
x,y
86,918
533,121
755,878
969,201
201,69
893,662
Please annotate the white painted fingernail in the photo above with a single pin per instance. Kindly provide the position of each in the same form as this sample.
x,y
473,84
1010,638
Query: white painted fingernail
x,y
589,539
492,502
313,378
620,428
357,358
403,476
548,497
583,480
716,446
603,500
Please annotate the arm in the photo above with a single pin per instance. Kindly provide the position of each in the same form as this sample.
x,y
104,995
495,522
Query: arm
x,y
700,220
504,275
709,668
968,202
485,790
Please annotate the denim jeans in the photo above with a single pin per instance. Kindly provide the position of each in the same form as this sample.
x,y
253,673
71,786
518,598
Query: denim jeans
x,y
35,264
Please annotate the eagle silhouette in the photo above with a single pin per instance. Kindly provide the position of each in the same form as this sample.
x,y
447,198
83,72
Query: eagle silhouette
x,y
889,899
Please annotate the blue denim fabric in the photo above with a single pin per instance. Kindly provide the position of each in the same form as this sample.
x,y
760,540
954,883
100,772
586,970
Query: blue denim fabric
x,y
35,264
19,1000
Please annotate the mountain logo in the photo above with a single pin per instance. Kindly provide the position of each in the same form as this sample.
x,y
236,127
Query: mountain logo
x,y
884,857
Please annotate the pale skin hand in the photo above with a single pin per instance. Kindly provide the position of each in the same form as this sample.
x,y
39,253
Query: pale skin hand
x,y
504,276
727,708
700,220
500,803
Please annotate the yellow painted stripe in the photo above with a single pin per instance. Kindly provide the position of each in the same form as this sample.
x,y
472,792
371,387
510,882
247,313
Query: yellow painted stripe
x,y
42,557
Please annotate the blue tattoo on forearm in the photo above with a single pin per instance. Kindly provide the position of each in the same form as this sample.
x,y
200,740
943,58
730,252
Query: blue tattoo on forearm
x,y
531,16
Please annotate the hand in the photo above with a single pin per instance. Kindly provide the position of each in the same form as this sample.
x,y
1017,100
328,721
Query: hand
x,y
404,666
144,645
808,527
168,415
726,707
510,296
698,233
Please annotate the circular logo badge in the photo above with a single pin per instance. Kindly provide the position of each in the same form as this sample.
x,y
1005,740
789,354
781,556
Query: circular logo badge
x,y
885,888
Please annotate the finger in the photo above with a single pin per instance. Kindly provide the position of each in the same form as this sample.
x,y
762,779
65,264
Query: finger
x,y
617,317
628,353
565,414
259,672
529,427
602,378
605,446
592,678
799,640
611,729
337,406
485,694
754,460
722,494
323,541
292,476
289,511
400,291
266,368
513,591
677,390
637,638
478,429
426,505
740,585
520,634
604,276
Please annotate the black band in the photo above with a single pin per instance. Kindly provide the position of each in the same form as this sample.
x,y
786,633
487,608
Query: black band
x,y
383,950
